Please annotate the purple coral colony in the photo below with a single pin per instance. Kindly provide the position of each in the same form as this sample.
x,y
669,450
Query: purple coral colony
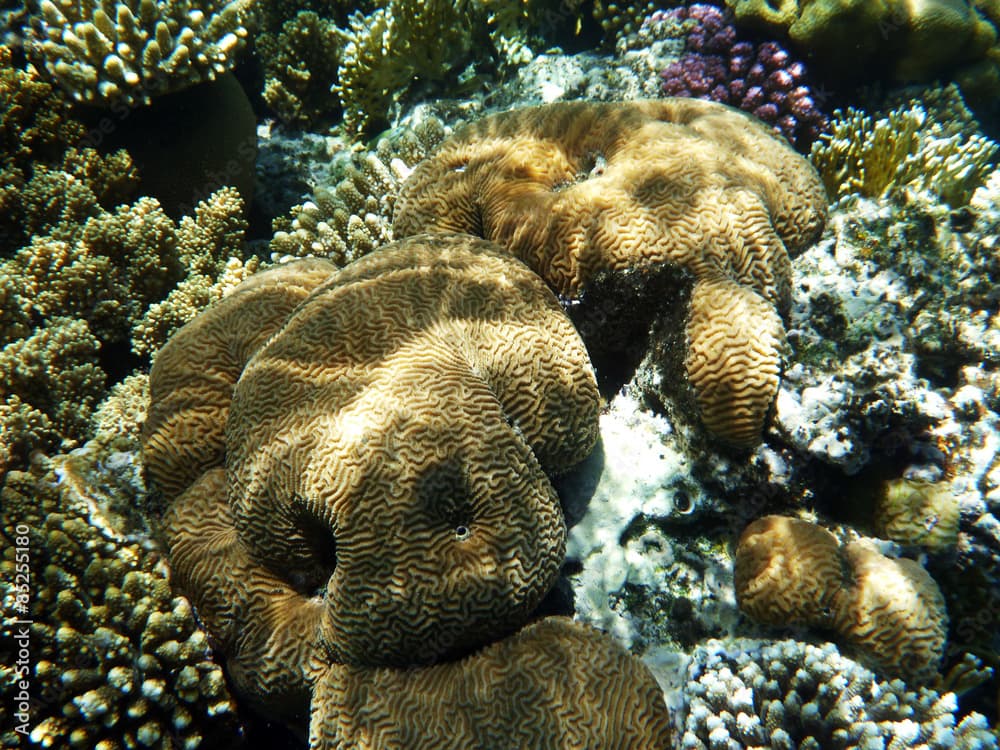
x,y
762,79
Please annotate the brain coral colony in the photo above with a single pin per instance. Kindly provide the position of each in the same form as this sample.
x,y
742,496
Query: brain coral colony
x,y
612,376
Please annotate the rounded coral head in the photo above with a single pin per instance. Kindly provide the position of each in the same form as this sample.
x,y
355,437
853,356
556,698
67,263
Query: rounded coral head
x,y
390,447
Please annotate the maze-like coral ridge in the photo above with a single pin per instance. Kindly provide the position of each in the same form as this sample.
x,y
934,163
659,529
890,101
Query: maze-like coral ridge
x,y
357,460
580,188
555,683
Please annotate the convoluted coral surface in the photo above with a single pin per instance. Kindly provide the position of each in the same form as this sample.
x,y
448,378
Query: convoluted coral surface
x,y
571,687
357,464
579,189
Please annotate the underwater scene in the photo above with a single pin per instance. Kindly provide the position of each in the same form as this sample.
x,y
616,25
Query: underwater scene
x,y
500,374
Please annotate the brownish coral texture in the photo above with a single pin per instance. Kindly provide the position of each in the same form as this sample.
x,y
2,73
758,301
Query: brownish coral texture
x,y
357,461
554,684
794,572
580,188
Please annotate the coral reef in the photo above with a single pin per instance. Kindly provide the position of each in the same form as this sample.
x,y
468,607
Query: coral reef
x,y
50,382
790,572
908,41
352,217
125,53
301,64
386,50
786,694
927,145
911,511
579,189
36,129
761,79
100,279
575,687
117,658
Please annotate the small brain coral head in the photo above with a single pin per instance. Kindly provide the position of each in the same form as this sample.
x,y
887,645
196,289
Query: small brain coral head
x,y
393,440
788,571
582,190
895,613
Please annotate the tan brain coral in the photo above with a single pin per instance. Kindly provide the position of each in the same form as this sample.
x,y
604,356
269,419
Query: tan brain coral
x,y
554,684
406,416
793,572
895,612
380,486
788,571
191,385
578,188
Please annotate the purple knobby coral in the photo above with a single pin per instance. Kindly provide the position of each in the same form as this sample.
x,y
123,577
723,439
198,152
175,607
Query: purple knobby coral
x,y
758,78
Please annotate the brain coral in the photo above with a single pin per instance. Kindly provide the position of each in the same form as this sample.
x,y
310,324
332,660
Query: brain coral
x,y
794,572
787,570
541,688
575,189
386,441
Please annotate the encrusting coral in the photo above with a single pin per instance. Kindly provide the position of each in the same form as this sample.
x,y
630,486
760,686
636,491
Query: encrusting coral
x,y
918,512
793,572
761,79
909,40
420,395
580,189
108,52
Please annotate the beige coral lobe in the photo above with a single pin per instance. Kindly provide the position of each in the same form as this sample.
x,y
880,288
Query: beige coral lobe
x,y
794,572
581,189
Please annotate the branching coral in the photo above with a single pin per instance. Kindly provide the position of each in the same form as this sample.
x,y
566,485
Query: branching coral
x,y
923,146
354,216
117,658
787,694
388,49
762,79
107,52
301,62
65,299
51,182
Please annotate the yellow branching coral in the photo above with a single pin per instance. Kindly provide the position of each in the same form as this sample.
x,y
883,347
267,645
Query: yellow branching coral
x,y
118,658
107,52
387,49
923,146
